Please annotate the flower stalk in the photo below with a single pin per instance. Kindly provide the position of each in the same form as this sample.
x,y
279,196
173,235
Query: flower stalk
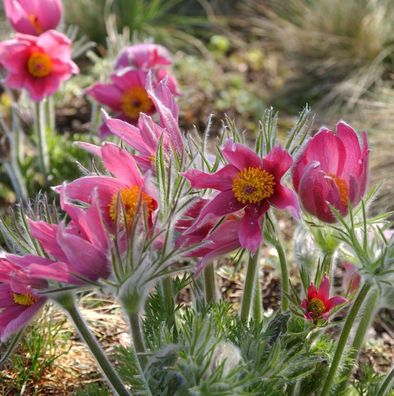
x,y
138,339
249,287
210,283
344,337
67,303
40,130
257,301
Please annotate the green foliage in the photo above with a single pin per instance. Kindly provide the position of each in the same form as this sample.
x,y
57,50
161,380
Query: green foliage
x,y
92,390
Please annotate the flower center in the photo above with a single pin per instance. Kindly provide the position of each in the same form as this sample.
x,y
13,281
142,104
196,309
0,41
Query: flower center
x,y
24,299
316,307
343,189
39,65
36,24
130,197
135,101
252,185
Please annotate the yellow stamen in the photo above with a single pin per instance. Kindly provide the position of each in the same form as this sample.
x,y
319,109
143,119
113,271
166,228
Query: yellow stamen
x,y
24,299
136,101
343,189
129,197
252,185
316,307
36,24
39,65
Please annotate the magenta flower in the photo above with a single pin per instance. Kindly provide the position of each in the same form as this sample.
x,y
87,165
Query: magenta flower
x,y
250,183
33,16
126,95
125,189
22,278
37,64
210,242
144,137
318,304
82,244
332,169
146,57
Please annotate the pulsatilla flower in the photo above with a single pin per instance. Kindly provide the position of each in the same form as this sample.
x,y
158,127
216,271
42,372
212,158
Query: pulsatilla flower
x,y
37,64
332,169
351,277
247,183
119,196
126,95
21,279
33,16
212,239
144,137
318,305
146,57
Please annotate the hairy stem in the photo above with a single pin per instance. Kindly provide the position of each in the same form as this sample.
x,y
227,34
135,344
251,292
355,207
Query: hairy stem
x,y
138,339
249,286
169,304
40,130
284,275
344,337
257,301
67,302
210,283
386,384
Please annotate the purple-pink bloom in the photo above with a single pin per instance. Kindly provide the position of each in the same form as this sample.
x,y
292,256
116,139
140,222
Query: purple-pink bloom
x,y
247,183
332,170
37,64
146,57
21,279
318,303
126,95
33,16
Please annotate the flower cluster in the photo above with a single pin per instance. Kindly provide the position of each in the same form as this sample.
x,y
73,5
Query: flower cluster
x,y
127,94
38,59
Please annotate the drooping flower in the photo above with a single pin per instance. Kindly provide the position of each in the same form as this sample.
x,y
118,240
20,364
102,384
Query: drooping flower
x,y
247,183
351,277
146,57
127,189
126,95
21,279
318,303
33,16
332,169
37,64
211,239
82,244
144,137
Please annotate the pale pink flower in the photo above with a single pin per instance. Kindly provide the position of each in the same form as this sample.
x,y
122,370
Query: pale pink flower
x,y
37,64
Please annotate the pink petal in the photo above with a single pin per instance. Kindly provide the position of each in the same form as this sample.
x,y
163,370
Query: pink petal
x,y
285,198
334,301
324,290
312,292
222,180
129,78
277,162
121,164
106,94
250,234
56,271
56,45
241,156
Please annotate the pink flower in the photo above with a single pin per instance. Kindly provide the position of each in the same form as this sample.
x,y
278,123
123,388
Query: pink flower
x,y
126,95
318,304
33,16
213,242
332,169
125,189
144,137
148,57
82,244
351,277
22,278
37,64
250,183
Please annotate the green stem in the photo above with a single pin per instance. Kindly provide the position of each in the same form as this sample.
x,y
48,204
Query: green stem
x,y
51,115
210,283
40,129
67,302
249,286
257,301
344,337
284,275
169,304
386,384
138,339
363,325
